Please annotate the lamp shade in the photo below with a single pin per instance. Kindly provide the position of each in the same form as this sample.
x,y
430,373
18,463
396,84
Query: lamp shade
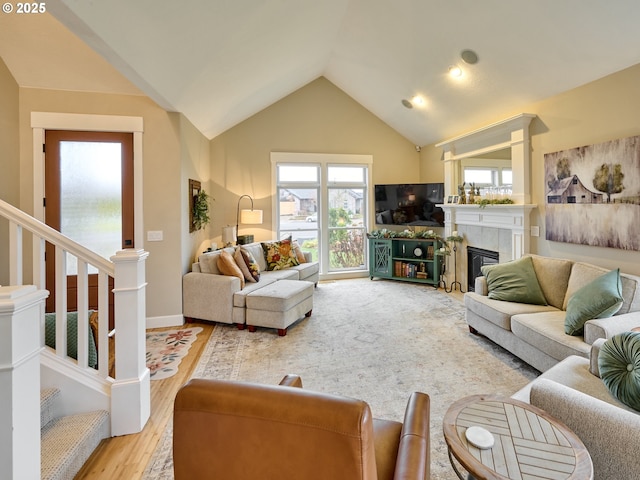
x,y
228,235
251,217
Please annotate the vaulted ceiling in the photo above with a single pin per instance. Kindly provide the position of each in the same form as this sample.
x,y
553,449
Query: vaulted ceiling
x,y
221,61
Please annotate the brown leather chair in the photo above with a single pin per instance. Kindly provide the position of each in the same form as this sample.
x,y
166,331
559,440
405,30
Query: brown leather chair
x,y
243,431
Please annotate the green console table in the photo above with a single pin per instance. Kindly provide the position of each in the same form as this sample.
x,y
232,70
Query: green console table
x,y
406,259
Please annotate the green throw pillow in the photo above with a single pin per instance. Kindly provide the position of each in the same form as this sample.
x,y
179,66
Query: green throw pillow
x,y
600,298
514,281
619,365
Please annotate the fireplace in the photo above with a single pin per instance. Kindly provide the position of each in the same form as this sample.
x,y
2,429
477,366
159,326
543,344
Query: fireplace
x,y
476,258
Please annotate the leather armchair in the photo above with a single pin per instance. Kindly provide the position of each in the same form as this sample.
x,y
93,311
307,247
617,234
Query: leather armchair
x,y
241,431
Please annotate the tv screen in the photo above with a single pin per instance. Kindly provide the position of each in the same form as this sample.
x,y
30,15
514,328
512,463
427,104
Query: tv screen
x,y
410,204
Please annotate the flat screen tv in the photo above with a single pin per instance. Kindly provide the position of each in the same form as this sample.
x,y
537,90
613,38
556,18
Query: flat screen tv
x,y
410,204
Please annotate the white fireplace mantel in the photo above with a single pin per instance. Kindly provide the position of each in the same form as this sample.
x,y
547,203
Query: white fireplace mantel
x,y
514,218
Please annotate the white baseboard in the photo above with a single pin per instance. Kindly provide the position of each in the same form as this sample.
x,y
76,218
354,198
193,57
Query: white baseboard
x,y
165,321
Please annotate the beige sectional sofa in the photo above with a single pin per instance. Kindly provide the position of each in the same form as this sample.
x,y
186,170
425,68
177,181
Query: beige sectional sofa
x,y
573,392
210,295
535,333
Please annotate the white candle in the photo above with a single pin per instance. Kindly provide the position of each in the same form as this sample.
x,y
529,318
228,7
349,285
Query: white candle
x,y
454,233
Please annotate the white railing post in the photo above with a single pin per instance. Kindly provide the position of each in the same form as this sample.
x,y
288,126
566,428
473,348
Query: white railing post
x,y
130,394
20,313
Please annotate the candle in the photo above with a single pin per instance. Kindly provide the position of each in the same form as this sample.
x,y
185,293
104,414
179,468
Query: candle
x,y
454,233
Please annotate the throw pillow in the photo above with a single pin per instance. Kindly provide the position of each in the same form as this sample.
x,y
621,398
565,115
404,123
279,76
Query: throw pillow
x,y
600,298
299,253
619,365
247,265
228,266
514,281
280,255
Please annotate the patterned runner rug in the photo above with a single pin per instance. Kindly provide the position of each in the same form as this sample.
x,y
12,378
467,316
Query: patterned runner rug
x,y
373,340
166,349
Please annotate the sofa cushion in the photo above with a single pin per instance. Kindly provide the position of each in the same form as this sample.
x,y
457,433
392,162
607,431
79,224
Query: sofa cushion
x,y
305,270
209,262
280,255
240,297
514,281
619,366
599,298
258,254
545,331
299,253
553,277
499,312
228,266
247,264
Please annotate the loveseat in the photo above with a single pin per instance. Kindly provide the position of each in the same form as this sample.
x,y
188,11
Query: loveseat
x,y
209,294
536,332
573,392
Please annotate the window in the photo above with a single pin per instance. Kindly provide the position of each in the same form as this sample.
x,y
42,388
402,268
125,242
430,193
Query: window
x,y
323,204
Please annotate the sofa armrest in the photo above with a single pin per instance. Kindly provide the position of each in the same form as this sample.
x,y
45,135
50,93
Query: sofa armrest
x,y
610,433
608,327
413,460
480,286
208,296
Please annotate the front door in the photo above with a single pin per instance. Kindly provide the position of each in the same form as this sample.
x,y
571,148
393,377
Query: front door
x,y
88,198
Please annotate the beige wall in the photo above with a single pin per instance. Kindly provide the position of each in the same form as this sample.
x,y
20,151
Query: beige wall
x,y
9,158
603,110
196,165
318,118
162,190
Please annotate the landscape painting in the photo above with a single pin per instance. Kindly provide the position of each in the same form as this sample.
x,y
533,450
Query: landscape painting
x,y
592,194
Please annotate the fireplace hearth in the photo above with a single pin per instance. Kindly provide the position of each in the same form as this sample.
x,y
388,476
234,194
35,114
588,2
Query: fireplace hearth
x,y
476,259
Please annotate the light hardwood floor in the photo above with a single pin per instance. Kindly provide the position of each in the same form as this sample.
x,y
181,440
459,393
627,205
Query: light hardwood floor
x,y
127,456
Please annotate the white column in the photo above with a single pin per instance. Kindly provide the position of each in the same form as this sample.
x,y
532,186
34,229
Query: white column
x,y
20,314
130,393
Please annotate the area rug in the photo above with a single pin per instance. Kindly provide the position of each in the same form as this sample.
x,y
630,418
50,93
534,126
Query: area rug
x,y
166,349
375,340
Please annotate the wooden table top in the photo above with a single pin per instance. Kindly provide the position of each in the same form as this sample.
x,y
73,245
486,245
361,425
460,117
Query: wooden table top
x,y
529,443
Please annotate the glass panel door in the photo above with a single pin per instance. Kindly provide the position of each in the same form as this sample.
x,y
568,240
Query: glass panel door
x,y
91,196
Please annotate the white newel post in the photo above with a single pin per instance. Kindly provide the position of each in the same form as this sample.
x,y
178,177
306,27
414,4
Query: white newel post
x,y
21,309
130,394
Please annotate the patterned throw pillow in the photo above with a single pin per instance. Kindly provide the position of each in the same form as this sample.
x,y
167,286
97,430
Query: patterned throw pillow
x,y
280,255
228,266
247,264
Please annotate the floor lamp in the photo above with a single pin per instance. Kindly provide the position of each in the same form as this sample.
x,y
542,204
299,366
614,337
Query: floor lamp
x,y
249,217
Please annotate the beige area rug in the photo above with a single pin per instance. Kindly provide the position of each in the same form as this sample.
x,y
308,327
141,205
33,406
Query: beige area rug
x,y
374,340
166,349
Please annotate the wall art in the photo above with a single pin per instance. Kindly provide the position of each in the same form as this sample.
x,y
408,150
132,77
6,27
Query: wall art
x,y
592,194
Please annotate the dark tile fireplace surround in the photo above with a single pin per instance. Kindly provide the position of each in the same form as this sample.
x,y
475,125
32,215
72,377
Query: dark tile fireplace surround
x,y
476,258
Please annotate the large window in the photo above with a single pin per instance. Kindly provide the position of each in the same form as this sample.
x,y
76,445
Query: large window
x,y
323,203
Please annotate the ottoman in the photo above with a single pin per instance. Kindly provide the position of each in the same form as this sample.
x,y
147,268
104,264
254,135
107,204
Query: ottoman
x,y
279,304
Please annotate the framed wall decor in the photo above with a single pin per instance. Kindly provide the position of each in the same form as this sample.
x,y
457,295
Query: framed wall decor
x,y
592,194
194,189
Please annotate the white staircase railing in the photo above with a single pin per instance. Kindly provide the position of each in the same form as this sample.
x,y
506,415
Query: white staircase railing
x,y
125,394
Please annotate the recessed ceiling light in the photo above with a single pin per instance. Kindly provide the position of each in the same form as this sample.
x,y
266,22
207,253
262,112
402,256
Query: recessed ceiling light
x,y
418,101
469,56
455,71
407,103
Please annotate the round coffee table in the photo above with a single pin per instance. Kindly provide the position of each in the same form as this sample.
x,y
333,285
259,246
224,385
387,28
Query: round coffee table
x,y
528,441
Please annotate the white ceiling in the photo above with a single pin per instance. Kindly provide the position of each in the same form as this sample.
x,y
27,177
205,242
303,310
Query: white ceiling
x,y
221,61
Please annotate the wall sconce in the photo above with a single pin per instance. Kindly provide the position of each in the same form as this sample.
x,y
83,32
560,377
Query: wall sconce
x,y
228,235
249,217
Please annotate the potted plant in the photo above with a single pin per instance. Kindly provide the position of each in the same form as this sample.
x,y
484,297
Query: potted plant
x,y
200,212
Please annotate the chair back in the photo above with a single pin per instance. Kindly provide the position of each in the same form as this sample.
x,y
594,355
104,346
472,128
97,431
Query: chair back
x,y
242,431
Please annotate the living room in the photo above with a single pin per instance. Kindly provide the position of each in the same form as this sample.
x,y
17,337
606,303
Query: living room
x,y
317,117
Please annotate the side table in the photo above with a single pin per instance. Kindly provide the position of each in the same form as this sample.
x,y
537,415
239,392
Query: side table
x,y
529,443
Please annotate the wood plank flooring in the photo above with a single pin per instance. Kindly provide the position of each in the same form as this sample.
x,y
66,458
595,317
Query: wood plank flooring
x,y
127,456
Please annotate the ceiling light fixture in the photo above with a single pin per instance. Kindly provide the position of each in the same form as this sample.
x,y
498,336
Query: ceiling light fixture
x,y
455,71
469,56
407,103
418,101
